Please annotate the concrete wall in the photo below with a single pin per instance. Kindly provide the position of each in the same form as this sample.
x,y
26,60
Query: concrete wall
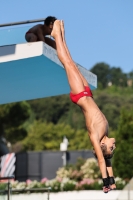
x,y
82,195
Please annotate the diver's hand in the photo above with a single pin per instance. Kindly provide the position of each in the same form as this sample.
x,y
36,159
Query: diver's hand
x,y
112,183
106,186
113,187
106,189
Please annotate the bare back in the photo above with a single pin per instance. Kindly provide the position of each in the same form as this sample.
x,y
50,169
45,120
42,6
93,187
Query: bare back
x,y
37,28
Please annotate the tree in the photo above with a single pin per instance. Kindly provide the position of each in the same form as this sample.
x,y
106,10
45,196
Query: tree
x,y
102,71
12,117
130,79
58,109
117,77
51,108
48,136
123,156
107,74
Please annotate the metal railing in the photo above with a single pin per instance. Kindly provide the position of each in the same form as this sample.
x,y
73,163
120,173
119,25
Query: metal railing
x,y
22,22
9,190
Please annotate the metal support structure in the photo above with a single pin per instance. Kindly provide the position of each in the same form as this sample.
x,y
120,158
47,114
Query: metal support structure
x,y
9,189
8,185
49,193
22,22
64,158
128,191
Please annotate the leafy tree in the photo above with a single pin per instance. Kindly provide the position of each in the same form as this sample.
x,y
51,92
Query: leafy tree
x,y
62,110
44,136
12,117
111,101
102,71
58,109
51,108
107,74
130,78
130,75
123,156
117,77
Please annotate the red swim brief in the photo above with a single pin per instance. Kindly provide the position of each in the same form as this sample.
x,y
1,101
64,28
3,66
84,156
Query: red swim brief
x,y
75,97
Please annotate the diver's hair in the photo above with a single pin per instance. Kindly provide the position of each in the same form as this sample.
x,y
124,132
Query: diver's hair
x,y
50,19
105,153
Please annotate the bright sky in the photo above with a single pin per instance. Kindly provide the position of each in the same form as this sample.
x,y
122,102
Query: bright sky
x,y
96,30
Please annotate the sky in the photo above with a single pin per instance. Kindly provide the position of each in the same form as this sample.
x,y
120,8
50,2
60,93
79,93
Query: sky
x,y
96,30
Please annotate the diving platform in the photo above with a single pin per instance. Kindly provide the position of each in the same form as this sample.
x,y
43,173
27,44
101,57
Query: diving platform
x,y
31,70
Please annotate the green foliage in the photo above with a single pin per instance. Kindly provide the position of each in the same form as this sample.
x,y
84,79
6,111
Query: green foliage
x,y
15,113
102,72
117,77
80,162
113,75
43,136
58,109
56,186
12,118
111,103
3,186
124,152
69,185
109,100
51,108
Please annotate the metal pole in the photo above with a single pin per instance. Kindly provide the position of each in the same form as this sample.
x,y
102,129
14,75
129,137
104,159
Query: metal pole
x,y
49,192
22,22
64,158
8,185
8,193
129,191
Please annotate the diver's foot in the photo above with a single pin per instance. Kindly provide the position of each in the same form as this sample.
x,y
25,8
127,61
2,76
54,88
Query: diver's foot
x,y
56,29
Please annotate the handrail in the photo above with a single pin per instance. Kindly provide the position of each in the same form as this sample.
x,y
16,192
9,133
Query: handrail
x,y
27,190
9,189
22,22
7,178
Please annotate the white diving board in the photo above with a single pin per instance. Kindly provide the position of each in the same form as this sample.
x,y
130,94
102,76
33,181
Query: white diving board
x,y
31,71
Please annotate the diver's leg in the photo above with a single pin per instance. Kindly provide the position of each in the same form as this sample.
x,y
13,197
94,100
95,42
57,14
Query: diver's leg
x,y
74,79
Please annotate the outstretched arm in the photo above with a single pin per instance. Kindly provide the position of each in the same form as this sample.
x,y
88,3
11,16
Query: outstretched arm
x,y
110,174
101,161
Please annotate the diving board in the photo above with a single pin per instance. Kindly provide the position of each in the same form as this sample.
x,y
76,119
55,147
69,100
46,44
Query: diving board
x,y
31,71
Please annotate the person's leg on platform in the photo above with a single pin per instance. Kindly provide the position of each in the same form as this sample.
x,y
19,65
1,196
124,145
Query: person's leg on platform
x,y
50,42
31,37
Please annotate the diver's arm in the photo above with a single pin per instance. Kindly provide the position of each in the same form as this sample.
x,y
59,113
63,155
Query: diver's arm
x,y
101,161
110,174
